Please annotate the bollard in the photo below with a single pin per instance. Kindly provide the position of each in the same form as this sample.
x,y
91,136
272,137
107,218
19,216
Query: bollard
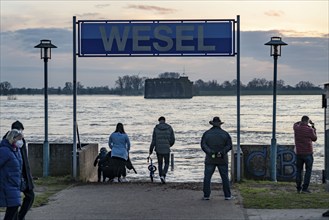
x,y
172,161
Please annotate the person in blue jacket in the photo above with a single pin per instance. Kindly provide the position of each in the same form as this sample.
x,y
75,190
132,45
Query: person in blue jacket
x,y
28,190
11,164
120,145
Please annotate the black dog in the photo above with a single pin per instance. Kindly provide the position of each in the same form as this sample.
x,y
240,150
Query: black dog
x,y
110,167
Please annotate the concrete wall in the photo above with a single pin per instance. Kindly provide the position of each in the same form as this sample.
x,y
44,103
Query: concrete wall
x,y
256,162
61,161
86,169
234,157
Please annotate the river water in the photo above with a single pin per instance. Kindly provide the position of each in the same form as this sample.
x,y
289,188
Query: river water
x,y
97,116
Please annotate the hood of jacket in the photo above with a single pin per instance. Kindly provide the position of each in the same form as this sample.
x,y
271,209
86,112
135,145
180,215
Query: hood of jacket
x,y
162,126
5,143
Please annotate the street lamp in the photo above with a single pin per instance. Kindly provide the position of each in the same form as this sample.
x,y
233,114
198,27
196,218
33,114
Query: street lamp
x,y
275,44
45,53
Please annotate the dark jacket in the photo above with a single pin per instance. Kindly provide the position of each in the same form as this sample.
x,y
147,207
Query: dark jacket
x,y
215,141
162,139
26,170
10,175
100,159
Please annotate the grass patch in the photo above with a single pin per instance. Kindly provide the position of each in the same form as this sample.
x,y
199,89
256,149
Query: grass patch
x,y
281,195
45,187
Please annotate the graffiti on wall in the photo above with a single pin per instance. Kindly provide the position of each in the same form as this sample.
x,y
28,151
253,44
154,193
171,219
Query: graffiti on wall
x,y
286,163
257,163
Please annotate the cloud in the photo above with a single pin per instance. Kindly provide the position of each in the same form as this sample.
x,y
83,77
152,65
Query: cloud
x,y
88,15
294,33
160,10
102,5
274,13
303,59
25,39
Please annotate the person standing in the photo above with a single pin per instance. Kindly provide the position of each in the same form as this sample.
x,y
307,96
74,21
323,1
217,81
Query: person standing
x,y
304,135
163,138
100,159
10,173
120,146
216,143
26,175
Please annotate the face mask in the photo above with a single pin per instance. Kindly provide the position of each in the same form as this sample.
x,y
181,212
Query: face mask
x,y
19,143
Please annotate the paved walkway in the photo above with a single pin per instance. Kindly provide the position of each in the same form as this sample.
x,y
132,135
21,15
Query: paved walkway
x,y
152,201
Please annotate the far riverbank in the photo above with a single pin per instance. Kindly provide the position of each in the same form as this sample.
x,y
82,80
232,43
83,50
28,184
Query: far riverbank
x,y
258,92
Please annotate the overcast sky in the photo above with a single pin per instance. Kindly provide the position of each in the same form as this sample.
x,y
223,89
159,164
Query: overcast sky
x,y
303,25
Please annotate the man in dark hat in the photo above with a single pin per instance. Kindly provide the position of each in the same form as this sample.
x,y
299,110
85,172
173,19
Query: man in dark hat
x,y
216,143
163,139
26,175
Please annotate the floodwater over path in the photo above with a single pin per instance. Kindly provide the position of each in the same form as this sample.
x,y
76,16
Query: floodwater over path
x,y
98,115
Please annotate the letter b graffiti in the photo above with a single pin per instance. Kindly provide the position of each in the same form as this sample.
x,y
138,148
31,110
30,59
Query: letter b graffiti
x,y
286,168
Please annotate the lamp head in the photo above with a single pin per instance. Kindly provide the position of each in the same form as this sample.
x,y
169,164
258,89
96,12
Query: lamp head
x,y
276,44
44,46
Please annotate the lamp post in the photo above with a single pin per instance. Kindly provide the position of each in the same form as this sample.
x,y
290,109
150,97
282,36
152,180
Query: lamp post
x,y
45,53
275,44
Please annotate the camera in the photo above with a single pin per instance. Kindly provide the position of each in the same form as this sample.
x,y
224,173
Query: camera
x,y
312,124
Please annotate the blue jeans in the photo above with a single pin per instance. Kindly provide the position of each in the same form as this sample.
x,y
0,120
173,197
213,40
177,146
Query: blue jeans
x,y
209,170
308,161
163,169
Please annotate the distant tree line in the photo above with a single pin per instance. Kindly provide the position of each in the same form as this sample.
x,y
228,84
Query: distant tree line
x,y
256,83
134,85
255,86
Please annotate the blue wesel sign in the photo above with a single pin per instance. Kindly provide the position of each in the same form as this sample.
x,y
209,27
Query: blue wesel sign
x,y
156,38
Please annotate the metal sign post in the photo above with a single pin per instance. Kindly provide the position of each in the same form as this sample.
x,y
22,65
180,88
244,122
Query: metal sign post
x,y
325,103
156,38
